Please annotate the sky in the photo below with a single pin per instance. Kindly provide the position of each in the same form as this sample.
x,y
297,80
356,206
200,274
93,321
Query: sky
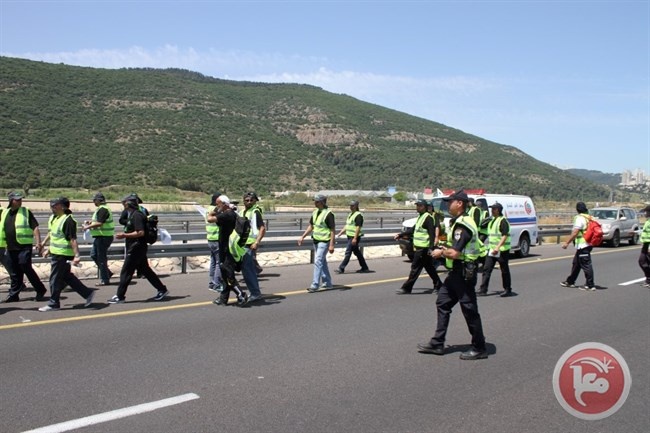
x,y
567,82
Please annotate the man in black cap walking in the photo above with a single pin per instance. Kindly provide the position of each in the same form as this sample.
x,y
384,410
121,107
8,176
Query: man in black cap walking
x,y
354,231
19,229
102,229
582,257
498,231
424,239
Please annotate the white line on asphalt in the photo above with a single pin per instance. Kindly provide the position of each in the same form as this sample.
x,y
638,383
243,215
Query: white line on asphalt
x,y
627,283
114,414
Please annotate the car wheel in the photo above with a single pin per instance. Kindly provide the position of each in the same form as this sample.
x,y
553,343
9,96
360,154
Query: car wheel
x,y
616,239
634,239
524,246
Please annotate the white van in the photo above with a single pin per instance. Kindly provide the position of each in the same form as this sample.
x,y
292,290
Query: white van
x,y
518,209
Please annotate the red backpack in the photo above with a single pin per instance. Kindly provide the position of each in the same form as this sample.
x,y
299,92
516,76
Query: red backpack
x,y
594,233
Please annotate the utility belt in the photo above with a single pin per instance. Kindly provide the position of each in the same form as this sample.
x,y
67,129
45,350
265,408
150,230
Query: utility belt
x,y
467,270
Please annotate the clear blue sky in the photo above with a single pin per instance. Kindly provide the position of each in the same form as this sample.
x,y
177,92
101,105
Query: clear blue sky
x,y
567,82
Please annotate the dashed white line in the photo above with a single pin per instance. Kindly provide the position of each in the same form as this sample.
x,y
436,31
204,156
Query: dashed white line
x,y
628,283
114,414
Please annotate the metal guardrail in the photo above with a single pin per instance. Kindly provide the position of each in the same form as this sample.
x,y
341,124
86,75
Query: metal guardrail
x,y
192,244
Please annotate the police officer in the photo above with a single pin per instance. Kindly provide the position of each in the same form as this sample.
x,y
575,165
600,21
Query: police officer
x,y
498,251
460,258
424,238
353,229
644,257
102,229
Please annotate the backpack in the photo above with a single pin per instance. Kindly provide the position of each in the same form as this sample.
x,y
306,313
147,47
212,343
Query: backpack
x,y
151,229
243,229
594,233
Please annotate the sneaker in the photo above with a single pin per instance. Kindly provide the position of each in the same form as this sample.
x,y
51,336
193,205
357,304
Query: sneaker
x,y
339,271
254,298
242,300
363,271
217,289
567,284
40,297
588,289
506,294
89,299
220,301
115,300
161,295
645,285
102,283
49,308
312,289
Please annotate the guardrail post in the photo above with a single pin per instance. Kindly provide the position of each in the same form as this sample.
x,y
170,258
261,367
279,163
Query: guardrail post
x,y
184,258
381,222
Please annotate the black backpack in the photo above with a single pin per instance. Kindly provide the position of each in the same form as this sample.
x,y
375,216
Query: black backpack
x,y
243,229
151,229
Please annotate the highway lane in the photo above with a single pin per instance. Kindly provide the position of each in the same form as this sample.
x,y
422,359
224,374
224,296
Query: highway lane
x,y
338,361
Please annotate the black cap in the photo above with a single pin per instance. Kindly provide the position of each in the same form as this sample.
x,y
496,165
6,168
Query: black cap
x,y
131,200
354,203
497,205
99,197
213,199
458,195
60,200
320,198
13,195
421,202
647,208
252,195
581,207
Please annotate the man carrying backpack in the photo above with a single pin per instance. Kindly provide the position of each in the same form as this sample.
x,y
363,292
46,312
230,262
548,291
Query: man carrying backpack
x,y
582,257
136,253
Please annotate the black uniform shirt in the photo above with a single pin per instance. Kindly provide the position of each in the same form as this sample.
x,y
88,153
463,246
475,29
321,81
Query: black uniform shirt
x,y
10,228
135,222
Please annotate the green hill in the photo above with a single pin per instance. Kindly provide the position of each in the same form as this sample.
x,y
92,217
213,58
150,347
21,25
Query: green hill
x,y
66,126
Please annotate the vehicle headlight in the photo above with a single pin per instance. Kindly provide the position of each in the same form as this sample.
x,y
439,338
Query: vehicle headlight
x,y
606,227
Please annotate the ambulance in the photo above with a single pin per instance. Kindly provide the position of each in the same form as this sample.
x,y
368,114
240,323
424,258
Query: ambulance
x,y
518,209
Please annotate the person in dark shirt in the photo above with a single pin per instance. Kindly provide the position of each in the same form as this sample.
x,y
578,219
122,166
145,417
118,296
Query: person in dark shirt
x,y
465,247
136,253
19,229
64,252
226,219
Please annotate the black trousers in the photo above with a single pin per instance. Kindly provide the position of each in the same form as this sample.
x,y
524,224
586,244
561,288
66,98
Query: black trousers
x,y
60,276
353,249
20,265
456,290
490,261
422,260
228,270
136,259
644,263
582,260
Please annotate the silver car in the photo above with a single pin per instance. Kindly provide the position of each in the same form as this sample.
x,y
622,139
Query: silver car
x,y
619,222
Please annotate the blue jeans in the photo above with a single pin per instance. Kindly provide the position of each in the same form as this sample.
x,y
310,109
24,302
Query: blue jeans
x,y
249,272
215,266
99,254
320,266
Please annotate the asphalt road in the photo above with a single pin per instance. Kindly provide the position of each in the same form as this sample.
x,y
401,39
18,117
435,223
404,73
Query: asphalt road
x,y
344,360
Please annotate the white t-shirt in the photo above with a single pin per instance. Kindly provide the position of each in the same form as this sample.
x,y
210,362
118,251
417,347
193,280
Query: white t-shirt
x,y
580,223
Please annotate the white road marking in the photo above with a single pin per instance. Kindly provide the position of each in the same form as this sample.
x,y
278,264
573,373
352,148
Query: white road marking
x,y
628,283
114,414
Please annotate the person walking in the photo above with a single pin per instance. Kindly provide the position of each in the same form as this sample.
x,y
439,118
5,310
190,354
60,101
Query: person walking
x,y
425,238
354,231
136,253
63,252
18,230
460,258
4,258
498,251
322,226
102,230
582,257
212,233
644,257
249,265
226,219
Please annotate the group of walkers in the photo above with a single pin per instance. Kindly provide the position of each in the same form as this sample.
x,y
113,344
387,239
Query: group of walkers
x,y
472,241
